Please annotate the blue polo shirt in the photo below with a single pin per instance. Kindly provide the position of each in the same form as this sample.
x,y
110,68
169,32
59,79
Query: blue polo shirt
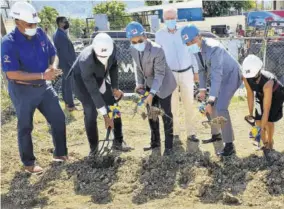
x,y
20,53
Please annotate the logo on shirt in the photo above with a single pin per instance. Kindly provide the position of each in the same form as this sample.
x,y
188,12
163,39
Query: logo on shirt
x,y
134,31
185,36
103,50
42,43
6,59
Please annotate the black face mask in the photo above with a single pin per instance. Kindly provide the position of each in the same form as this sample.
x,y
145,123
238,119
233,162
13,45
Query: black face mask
x,y
66,26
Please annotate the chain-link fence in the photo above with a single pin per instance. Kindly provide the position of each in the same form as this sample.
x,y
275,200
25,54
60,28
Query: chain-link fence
x,y
271,51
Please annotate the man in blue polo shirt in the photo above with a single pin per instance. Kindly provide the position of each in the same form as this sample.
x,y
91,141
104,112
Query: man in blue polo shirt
x,y
29,59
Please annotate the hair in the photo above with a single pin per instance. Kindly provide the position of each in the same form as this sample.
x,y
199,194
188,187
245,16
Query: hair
x,y
60,19
169,9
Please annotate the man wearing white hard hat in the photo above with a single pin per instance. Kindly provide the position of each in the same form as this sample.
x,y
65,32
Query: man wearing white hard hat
x,y
29,60
95,74
269,95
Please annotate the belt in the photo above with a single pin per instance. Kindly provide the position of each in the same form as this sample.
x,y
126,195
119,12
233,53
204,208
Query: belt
x,y
28,84
184,70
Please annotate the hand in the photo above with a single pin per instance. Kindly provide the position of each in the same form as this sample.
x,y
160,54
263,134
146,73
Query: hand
x,y
201,95
149,100
51,73
108,122
118,94
139,88
208,109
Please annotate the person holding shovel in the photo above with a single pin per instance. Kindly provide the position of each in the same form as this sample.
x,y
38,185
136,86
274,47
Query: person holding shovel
x,y
268,92
224,72
154,76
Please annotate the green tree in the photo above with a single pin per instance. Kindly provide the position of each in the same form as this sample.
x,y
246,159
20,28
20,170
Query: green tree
x,y
76,27
115,10
220,8
153,3
48,19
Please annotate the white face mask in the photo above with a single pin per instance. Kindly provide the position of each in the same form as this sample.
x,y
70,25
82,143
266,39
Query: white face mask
x,y
103,60
30,31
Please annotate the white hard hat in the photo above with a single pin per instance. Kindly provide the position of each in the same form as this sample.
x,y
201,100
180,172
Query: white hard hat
x,y
24,11
103,45
251,66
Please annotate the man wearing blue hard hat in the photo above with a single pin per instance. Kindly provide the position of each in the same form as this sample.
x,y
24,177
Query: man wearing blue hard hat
x,y
225,77
154,76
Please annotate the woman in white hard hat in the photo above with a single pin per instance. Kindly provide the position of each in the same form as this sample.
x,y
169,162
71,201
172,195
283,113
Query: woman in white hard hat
x,y
95,74
269,94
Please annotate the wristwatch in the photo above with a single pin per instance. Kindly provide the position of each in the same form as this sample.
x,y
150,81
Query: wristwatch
x,y
211,102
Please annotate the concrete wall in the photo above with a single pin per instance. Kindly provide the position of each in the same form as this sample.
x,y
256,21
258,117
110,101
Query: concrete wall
x,y
232,21
279,5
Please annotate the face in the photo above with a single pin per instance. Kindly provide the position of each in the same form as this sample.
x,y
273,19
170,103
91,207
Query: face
x,y
22,25
137,40
197,40
170,15
64,24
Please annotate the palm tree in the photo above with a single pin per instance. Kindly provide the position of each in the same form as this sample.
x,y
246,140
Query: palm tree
x,y
48,17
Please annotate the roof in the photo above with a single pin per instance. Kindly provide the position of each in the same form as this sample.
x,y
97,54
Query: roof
x,y
183,5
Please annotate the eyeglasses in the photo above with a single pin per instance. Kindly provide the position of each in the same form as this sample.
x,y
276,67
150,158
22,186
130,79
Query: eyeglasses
x,y
138,42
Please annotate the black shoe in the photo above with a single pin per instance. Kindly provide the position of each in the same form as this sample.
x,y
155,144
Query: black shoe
x,y
228,150
168,152
266,153
121,146
151,147
193,138
215,138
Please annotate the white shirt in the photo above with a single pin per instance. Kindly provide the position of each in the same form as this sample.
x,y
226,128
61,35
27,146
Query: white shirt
x,y
177,55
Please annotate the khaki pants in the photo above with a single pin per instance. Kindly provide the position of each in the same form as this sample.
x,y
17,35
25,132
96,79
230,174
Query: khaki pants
x,y
185,84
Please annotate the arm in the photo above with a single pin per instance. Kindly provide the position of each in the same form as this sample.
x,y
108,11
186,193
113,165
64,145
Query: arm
x,y
159,71
250,96
11,65
113,72
216,72
62,46
93,88
267,90
195,68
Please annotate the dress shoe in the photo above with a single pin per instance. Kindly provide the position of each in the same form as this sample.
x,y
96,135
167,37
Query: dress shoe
x,y
228,150
214,138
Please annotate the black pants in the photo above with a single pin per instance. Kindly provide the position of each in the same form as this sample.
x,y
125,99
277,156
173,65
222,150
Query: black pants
x,y
90,112
164,104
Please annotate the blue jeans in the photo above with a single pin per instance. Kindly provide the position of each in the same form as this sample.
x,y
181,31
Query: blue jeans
x,y
26,99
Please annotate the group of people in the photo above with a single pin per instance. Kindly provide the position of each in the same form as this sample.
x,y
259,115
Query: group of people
x,y
166,68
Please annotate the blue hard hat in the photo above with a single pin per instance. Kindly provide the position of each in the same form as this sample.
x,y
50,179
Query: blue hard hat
x,y
134,29
188,33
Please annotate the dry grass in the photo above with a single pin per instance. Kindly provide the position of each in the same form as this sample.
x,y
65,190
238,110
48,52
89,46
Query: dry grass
x,y
138,179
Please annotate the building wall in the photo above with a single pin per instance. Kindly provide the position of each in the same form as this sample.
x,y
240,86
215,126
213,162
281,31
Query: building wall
x,y
279,5
232,21
190,14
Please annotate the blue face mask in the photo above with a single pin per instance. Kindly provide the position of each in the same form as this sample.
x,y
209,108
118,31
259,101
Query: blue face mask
x,y
171,24
194,48
139,47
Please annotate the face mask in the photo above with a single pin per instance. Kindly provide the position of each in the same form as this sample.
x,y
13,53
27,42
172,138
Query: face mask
x,y
171,24
194,48
66,26
139,47
30,31
103,60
